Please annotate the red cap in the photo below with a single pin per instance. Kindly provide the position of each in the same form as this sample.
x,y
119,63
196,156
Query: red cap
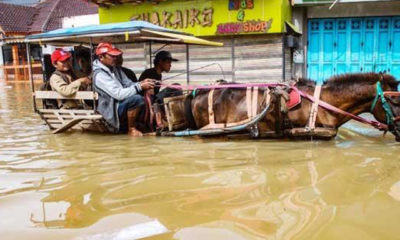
x,y
103,48
59,55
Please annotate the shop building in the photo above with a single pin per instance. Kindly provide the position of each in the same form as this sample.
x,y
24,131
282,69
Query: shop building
x,y
347,36
18,21
253,33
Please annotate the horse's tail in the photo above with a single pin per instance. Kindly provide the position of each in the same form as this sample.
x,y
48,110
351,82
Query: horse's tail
x,y
188,112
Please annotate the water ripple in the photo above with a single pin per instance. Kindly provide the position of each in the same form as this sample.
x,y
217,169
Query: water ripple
x,y
264,189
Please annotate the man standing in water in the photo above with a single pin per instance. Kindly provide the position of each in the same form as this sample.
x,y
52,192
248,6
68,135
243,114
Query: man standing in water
x,y
162,63
119,98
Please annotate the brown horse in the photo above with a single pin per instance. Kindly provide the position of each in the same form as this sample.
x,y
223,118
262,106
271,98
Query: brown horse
x,y
353,93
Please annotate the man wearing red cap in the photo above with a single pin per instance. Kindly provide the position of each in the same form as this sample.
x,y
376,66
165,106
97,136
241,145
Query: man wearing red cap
x,y
63,80
119,98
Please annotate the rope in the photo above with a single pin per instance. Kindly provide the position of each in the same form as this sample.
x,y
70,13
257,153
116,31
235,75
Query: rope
x,y
186,72
209,87
385,105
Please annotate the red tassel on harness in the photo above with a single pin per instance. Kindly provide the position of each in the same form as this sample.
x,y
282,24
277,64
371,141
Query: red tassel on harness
x,y
294,99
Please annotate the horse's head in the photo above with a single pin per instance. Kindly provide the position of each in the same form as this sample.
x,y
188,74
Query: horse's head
x,y
386,105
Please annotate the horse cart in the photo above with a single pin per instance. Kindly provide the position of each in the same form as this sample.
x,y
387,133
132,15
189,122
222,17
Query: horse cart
x,y
298,109
60,120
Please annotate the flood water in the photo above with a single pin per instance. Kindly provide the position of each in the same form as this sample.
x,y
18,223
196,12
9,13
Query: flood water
x,y
93,186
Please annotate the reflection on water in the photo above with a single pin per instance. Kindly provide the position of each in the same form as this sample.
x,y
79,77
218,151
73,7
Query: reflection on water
x,y
92,186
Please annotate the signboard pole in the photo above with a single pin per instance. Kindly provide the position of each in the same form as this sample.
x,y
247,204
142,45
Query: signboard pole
x,y
187,65
30,72
233,57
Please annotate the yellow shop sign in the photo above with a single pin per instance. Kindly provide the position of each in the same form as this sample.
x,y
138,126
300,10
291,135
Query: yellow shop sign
x,y
206,18
179,18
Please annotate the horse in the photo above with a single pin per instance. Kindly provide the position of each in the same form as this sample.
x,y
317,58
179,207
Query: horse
x,y
352,93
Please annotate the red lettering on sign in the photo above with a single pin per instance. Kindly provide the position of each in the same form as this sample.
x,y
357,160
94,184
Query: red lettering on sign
x,y
246,27
250,4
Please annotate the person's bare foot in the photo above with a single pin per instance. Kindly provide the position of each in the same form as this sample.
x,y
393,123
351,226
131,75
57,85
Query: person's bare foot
x,y
135,133
150,134
159,121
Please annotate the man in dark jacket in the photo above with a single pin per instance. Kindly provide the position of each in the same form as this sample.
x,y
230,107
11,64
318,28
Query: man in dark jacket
x,y
162,63
120,99
129,73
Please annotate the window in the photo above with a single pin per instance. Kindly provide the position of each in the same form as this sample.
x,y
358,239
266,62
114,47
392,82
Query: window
x,y
36,52
7,54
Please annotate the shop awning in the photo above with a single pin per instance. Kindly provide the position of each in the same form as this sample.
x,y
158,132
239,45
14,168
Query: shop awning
x,y
185,38
292,29
108,3
321,2
12,40
117,33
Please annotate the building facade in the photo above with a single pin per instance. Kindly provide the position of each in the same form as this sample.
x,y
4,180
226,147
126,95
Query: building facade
x,y
347,36
18,21
253,33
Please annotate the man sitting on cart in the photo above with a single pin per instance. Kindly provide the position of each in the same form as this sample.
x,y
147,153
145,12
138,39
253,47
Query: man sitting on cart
x,y
128,72
120,99
63,79
162,63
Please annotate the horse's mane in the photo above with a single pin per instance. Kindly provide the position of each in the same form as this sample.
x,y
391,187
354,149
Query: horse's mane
x,y
345,81
305,82
218,82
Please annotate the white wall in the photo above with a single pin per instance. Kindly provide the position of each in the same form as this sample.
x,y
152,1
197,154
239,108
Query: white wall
x,y
384,8
79,21
75,21
21,2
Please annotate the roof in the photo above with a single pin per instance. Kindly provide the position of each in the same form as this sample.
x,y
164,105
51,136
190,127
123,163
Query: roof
x,y
132,31
45,16
59,9
15,18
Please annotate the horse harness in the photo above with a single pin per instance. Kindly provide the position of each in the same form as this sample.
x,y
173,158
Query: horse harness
x,y
314,108
380,94
251,106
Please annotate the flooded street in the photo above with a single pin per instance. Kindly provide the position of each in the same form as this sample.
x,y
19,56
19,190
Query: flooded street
x,y
93,186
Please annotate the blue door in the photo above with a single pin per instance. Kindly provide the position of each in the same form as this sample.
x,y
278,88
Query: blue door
x,y
344,45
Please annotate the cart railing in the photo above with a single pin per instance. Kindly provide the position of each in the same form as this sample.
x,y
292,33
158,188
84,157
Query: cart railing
x,y
80,95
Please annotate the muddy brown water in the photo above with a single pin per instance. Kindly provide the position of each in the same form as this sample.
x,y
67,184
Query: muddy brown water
x,y
93,186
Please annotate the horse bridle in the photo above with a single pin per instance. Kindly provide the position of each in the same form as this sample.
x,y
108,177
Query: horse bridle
x,y
380,94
